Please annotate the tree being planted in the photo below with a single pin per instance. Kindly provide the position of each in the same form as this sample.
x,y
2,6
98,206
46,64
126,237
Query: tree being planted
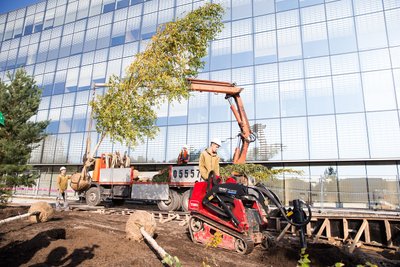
x,y
127,112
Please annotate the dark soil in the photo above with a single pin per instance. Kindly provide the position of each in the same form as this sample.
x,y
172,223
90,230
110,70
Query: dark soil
x,y
89,239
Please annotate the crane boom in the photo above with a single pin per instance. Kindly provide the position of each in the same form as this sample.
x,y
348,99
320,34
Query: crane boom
x,y
231,91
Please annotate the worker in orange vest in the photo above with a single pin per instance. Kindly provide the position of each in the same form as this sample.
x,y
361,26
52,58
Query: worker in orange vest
x,y
184,156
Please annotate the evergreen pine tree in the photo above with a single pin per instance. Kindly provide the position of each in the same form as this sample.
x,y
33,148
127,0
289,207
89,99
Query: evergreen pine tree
x,y
19,102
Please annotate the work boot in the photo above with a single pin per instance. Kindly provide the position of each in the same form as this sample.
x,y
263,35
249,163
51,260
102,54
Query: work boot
x,y
66,206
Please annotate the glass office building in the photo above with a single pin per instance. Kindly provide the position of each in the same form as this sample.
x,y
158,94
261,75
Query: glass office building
x,y
321,86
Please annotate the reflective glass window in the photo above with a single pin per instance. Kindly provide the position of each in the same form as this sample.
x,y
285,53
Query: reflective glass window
x,y
82,97
339,9
83,10
364,7
108,7
72,80
261,7
292,98
310,2
378,90
47,84
157,145
324,186
162,114
198,107
268,145
90,39
59,15
71,12
383,134
44,103
264,23
65,46
101,55
352,136
223,132
103,36
291,70
118,33
289,43
79,118
54,117
348,93
220,54
267,100
242,76
133,29
396,76
59,82
395,56
66,119
77,43
393,26
371,31
197,139
383,185
68,100
375,60
353,191
48,149
342,36
322,132
241,9
319,96
42,52
241,27
219,108
54,46
85,77
165,16
345,63
312,14
149,25
391,3
99,75
287,19
266,73
138,153
242,51
294,138
75,148
178,113
226,4
282,5
175,139
122,4
265,50
315,40
56,101
61,149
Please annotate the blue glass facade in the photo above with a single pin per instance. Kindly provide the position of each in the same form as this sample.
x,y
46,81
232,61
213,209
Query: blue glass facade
x,y
321,84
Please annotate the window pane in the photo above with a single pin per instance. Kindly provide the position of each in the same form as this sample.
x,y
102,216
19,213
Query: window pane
x,y
263,7
378,90
352,136
315,41
176,139
393,26
265,47
79,119
268,143
221,54
294,139
291,70
157,145
353,191
61,149
242,51
289,43
267,100
241,9
223,132
323,143
342,37
48,149
348,93
339,9
287,19
371,31
198,107
315,67
178,113
312,14
292,98
319,96
383,134
346,63
75,153
266,73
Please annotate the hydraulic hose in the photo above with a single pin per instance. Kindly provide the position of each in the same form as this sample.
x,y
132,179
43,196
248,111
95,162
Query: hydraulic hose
x,y
265,191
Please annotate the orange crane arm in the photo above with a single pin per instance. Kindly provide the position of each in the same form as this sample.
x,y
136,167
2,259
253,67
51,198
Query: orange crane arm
x,y
230,90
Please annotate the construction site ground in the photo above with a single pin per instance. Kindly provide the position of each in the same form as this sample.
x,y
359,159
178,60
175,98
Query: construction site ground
x,y
82,238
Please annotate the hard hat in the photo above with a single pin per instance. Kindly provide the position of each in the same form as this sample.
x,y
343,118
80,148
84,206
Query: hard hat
x,y
216,141
62,168
185,146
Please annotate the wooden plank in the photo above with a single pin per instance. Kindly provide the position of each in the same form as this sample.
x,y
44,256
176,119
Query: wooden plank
x,y
358,235
283,232
345,229
367,234
319,233
328,229
388,231
309,230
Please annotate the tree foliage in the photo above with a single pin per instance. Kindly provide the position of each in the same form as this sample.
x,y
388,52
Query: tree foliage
x,y
19,101
127,112
258,171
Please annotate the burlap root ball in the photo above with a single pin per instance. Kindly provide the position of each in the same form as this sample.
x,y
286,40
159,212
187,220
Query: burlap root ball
x,y
79,184
138,219
46,212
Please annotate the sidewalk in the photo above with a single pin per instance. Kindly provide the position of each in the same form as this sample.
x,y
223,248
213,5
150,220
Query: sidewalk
x,y
28,200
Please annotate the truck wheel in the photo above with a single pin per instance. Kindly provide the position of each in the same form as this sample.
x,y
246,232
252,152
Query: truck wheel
x,y
169,204
185,200
93,196
177,200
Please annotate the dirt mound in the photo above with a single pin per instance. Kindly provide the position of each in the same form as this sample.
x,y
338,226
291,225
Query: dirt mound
x,y
46,212
137,220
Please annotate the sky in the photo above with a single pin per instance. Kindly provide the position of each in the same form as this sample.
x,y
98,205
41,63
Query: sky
x,y
10,5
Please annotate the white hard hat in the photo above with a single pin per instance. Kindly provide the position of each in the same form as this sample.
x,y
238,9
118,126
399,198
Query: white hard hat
x,y
216,141
185,146
62,168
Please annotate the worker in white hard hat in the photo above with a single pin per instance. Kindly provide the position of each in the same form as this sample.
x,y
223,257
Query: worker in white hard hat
x,y
184,156
62,184
209,159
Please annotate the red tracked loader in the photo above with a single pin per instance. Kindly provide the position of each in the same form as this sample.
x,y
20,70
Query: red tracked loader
x,y
239,213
